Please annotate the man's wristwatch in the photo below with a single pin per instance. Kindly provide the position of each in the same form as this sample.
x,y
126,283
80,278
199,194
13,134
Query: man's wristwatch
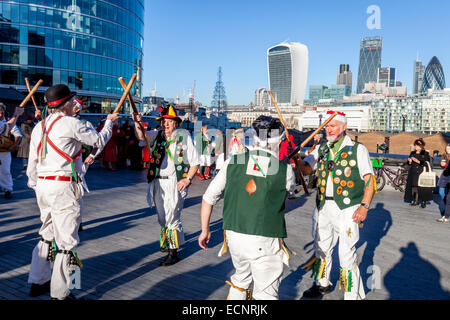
x,y
187,177
365,205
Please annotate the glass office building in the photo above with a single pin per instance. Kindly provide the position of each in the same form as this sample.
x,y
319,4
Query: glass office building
x,y
86,44
433,77
288,70
369,61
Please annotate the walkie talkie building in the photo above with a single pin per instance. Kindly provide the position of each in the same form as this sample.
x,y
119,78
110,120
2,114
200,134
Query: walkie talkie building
x,y
288,72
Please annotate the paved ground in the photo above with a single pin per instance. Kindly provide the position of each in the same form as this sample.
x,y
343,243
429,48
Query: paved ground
x,y
120,249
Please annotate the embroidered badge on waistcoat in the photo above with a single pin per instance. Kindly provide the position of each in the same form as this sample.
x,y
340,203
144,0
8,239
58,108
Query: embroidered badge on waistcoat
x,y
251,187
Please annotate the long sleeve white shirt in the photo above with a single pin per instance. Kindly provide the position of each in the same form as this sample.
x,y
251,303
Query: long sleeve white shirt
x,y
68,134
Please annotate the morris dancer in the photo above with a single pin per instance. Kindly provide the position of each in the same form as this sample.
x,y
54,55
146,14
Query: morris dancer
x,y
255,185
53,166
346,185
8,130
173,163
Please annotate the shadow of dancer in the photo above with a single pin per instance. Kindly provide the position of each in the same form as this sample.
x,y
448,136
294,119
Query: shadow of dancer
x,y
377,225
414,278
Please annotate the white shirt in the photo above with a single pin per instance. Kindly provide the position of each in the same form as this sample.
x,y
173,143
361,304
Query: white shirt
x,y
4,127
67,134
167,165
217,185
362,155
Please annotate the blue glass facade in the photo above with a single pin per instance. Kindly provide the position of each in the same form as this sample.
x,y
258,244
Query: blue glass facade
x,y
369,61
433,77
86,44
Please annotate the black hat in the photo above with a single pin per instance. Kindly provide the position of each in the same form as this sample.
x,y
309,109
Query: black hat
x,y
269,124
57,95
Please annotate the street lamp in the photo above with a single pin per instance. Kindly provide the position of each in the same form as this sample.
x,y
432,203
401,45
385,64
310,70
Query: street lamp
x,y
404,119
320,119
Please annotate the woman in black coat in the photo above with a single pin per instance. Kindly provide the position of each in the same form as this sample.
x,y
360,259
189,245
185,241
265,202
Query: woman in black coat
x,y
417,161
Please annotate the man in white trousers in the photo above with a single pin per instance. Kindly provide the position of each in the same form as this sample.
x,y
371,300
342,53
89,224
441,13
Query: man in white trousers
x,y
53,166
174,161
255,185
346,186
8,132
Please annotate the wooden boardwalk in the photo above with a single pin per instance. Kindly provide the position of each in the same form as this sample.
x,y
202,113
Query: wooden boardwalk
x,y
120,246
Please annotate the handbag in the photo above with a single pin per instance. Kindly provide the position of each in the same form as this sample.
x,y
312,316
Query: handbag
x,y
427,179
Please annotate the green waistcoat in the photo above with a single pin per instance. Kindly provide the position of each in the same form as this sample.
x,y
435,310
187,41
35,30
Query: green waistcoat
x,y
158,152
348,187
255,205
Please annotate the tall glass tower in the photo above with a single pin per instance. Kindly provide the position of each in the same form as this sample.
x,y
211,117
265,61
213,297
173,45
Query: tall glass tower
x,y
419,70
369,61
86,44
288,71
433,77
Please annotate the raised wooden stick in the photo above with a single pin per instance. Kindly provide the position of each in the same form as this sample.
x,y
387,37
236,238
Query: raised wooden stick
x,y
311,136
30,94
125,94
32,97
302,178
280,116
124,86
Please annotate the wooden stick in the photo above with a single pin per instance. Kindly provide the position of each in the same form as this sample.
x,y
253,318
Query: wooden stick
x,y
280,116
30,94
302,178
311,136
125,94
32,97
124,86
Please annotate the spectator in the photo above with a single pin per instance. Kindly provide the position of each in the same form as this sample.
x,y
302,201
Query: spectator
x,y
443,183
24,147
111,149
417,161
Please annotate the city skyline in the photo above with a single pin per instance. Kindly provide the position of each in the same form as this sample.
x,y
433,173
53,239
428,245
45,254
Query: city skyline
x,y
204,35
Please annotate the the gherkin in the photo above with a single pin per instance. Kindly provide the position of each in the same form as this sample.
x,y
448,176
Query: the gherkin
x,y
433,77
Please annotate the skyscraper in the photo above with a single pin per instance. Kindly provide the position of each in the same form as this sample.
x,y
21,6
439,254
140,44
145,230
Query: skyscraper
x,y
419,70
344,76
86,46
288,70
369,61
433,77
386,75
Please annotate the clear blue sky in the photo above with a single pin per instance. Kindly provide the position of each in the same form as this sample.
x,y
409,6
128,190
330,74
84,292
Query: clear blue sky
x,y
188,40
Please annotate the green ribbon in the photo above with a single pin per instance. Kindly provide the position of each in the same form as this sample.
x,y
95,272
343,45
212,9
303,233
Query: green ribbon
x,y
349,281
54,249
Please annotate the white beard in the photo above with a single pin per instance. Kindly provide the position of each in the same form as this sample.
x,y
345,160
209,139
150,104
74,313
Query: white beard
x,y
335,139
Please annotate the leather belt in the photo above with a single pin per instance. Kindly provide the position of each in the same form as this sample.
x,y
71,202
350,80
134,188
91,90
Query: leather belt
x,y
161,177
58,178
329,198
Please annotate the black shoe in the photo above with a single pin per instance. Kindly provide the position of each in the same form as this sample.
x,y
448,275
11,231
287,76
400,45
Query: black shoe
x,y
39,289
164,249
171,258
414,203
316,291
69,297
423,204
8,195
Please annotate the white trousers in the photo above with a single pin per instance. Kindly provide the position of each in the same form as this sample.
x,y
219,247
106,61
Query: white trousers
x,y
164,195
6,181
58,202
256,259
331,224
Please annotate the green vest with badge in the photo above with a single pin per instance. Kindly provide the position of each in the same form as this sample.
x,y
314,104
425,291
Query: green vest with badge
x,y
348,187
254,199
158,151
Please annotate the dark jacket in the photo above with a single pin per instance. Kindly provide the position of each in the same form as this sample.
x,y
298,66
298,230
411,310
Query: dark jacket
x,y
415,169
